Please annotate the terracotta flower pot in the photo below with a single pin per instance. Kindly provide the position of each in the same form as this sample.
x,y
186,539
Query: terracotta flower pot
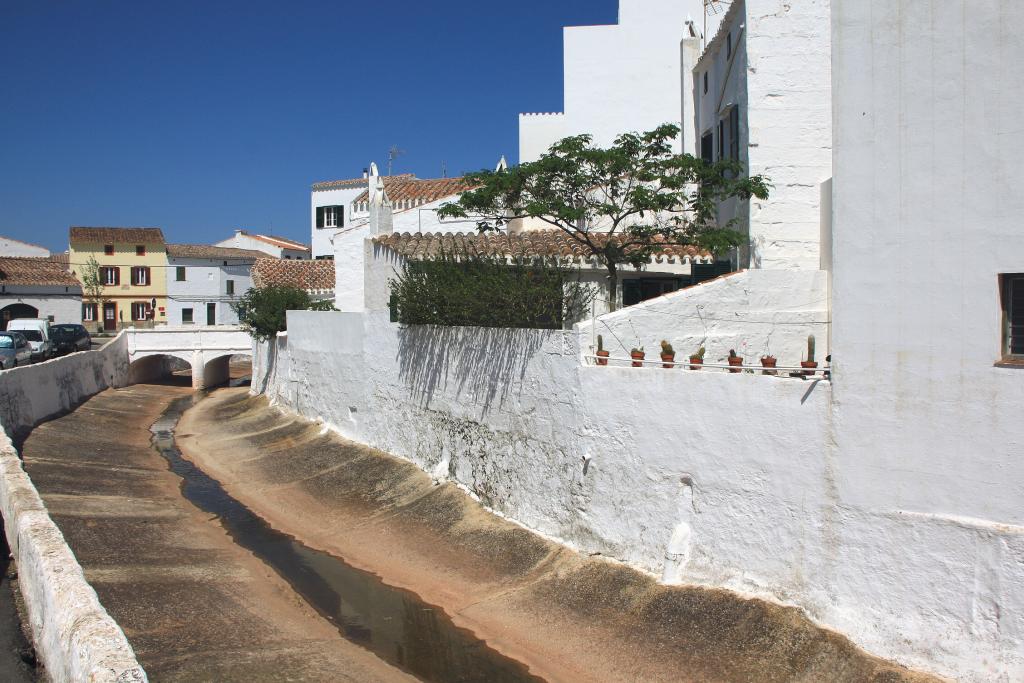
x,y
668,360
810,366
696,362
637,356
769,362
736,362
602,357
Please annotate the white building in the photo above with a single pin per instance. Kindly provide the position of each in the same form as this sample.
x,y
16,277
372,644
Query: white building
x,y
342,206
762,95
203,281
277,247
38,288
618,78
12,247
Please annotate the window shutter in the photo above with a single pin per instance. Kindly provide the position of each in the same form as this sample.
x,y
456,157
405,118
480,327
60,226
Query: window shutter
x,y
148,281
117,276
341,216
319,216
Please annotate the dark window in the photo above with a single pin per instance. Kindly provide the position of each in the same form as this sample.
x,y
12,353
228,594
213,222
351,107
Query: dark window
x,y
1012,289
211,314
230,286
728,45
140,276
329,257
108,249
186,315
635,290
734,133
721,139
141,310
707,147
705,82
179,274
111,275
140,249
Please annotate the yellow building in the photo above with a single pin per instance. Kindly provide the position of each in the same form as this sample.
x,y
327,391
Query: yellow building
x,y
133,263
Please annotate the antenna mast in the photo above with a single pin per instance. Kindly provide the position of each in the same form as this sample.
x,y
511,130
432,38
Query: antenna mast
x,y
393,154
712,7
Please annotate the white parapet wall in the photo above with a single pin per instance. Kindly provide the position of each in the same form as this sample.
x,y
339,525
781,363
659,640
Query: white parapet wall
x,y
707,477
74,637
756,313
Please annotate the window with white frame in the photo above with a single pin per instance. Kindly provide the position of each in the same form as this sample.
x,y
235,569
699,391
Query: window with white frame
x,y
140,310
111,275
140,276
330,216
89,312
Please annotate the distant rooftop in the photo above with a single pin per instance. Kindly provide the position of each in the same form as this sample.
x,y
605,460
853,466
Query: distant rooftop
x,y
212,252
352,183
282,242
116,235
312,276
35,271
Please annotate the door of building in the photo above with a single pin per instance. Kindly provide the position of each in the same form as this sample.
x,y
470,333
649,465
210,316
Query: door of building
x,y
110,316
211,314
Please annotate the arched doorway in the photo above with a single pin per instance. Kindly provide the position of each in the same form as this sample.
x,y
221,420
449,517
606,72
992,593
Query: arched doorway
x,y
16,311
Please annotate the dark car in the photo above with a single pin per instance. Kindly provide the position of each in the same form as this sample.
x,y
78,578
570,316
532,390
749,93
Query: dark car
x,y
70,338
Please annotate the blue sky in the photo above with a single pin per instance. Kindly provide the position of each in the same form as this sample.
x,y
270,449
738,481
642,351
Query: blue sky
x,y
199,117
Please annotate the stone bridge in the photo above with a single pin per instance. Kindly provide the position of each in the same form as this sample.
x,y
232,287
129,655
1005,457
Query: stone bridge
x,y
206,350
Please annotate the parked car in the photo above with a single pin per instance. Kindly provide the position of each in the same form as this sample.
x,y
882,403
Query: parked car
x,y
14,350
68,338
37,332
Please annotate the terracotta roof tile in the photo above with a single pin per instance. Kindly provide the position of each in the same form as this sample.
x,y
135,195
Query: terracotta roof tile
x,y
408,192
528,243
353,183
312,276
117,235
35,271
212,252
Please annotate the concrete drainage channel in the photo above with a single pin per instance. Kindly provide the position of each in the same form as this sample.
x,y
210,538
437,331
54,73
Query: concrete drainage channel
x,y
424,641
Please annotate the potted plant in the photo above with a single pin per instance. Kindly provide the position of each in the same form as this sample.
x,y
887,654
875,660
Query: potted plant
x,y
736,362
602,355
697,359
637,354
668,355
809,364
769,361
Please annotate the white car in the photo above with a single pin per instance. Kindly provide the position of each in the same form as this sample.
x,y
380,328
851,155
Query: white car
x,y
14,350
37,332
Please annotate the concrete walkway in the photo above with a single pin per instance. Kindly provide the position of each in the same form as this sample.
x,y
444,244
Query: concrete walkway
x,y
194,605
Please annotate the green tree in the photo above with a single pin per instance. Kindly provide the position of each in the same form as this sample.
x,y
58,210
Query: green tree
x,y
92,285
622,203
262,312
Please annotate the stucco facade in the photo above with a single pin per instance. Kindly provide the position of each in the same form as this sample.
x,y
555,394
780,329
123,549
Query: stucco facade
x,y
201,289
120,253
761,93
12,247
618,78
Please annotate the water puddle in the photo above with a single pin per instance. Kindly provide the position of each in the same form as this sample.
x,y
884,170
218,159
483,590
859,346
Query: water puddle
x,y
392,623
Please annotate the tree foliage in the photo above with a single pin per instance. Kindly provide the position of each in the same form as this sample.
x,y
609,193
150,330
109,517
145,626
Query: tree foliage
x,y
638,191
262,311
488,291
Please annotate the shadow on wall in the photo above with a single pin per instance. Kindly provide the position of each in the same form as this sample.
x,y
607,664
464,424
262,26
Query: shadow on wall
x,y
479,362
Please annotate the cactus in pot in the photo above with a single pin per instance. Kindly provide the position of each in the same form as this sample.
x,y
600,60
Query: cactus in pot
x,y
602,355
809,364
668,355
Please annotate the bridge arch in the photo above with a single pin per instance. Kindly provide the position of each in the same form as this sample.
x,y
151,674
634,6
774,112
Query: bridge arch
x,y
216,369
155,367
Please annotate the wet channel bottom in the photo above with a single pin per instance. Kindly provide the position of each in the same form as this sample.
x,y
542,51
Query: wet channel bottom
x,y
392,623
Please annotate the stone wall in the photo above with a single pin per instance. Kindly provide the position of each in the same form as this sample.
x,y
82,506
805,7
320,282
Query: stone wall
x,y
74,637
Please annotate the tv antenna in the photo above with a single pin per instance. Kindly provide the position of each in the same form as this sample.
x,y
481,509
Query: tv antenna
x,y
393,154
444,169
712,8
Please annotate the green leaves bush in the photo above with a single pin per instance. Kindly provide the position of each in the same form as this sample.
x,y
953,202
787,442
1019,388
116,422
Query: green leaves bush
x,y
262,311
488,291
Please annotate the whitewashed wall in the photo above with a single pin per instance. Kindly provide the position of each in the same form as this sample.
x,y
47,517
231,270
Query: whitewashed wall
x,y
617,78
63,303
781,80
321,238
205,282
755,312
12,247
928,435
